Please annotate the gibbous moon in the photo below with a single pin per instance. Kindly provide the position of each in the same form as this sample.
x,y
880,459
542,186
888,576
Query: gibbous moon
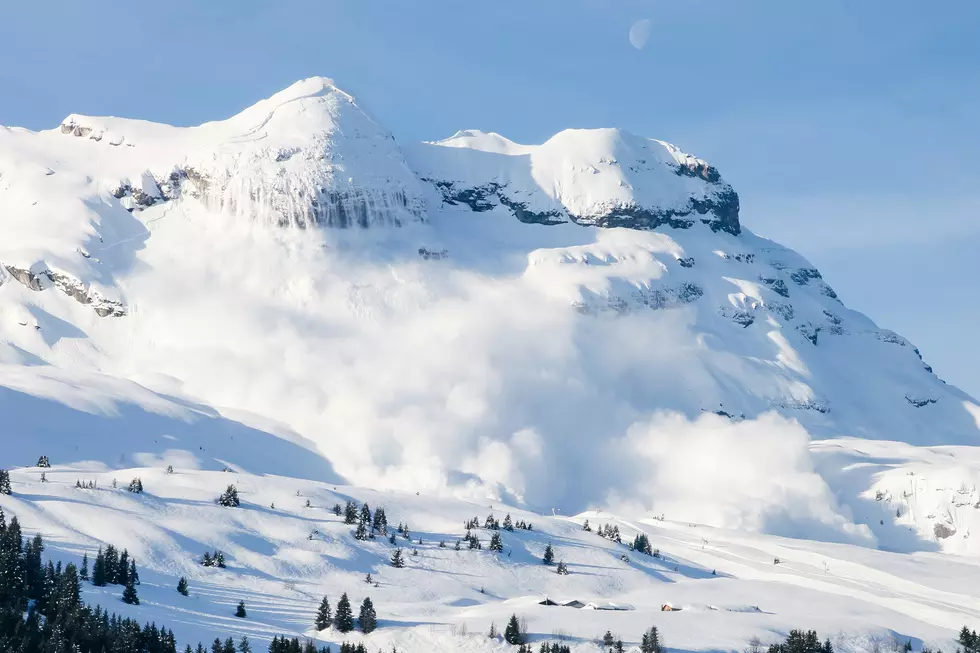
x,y
639,33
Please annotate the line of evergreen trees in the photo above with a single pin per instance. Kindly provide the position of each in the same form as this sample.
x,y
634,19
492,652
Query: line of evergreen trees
x,y
491,523
41,608
112,568
969,641
799,641
343,619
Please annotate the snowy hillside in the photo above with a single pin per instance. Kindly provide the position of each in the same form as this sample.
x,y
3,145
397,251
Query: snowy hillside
x,y
285,549
581,325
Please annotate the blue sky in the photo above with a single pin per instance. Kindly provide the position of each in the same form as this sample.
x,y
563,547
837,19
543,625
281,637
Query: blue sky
x,y
848,127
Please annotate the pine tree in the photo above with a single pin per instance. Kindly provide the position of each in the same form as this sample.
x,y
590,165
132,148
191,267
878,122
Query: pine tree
x,y
43,462
365,515
508,524
586,527
229,498
99,578
380,521
360,533
549,555
562,568
650,642
129,594
397,560
244,646
122,569
219,559
392,538
608,639
344,619
350,512
133,574
229,646
496,544
323,617
182,586
240,610
512,634
84,574
337,510
367,620
5,482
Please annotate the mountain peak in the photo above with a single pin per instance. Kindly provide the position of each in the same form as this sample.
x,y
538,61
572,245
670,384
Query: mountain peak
x,y
603,177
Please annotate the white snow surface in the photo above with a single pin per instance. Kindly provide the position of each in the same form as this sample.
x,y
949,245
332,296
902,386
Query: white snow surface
x,y
287,295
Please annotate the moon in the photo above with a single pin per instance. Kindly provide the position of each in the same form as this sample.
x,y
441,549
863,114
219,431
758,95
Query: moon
x,y
639,33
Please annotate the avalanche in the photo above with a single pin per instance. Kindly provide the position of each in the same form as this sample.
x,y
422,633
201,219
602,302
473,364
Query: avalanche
x,y
584,327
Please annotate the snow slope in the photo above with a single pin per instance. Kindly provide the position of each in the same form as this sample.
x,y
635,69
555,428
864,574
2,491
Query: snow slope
x,y
570,325
283,557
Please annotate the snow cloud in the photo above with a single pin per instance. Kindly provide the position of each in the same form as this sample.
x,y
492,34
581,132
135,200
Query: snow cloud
x,y
754,475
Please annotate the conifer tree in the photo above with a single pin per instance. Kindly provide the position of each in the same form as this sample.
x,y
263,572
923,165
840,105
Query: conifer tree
x,y
380,521
84,574
650,642
99,578
512,634
367,620
229,646
508,524
562,568
133,574
360,533
350,512
496,544
365,515
182,586
240,610
397,560
244,646
392,538
5,482
549,555
129,594
344,618
122,569
323,617
43,462
229,498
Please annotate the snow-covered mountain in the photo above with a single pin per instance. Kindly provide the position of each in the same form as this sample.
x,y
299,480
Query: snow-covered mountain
x,y
291,301
572,324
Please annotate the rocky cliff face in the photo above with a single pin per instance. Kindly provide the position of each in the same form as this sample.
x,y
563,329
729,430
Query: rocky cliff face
x,y
601,177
